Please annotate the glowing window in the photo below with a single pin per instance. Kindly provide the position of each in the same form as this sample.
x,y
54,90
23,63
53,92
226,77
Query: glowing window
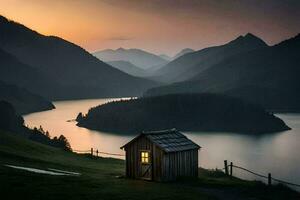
x,y
145,157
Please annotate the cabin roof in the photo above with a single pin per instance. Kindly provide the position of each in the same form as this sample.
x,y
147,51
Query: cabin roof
x,y
168,140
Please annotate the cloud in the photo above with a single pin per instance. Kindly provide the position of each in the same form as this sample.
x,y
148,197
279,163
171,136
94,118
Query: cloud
x,y
120,38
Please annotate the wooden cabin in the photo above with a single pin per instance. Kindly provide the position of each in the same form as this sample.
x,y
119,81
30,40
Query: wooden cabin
x,y
161,156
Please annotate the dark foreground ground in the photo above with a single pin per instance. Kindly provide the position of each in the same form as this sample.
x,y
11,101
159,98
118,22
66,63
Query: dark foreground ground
x,y
102,179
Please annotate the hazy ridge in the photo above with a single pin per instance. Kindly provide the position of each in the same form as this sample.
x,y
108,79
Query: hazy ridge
x,y
77,73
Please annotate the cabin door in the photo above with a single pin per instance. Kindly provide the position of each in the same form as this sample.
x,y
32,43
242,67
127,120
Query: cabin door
x,y
145,165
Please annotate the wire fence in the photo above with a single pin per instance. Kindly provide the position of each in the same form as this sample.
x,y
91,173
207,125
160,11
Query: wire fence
x,y
227,168
97,153
229,171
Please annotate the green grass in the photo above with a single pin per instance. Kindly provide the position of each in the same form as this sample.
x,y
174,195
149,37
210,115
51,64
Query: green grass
x,y
99,179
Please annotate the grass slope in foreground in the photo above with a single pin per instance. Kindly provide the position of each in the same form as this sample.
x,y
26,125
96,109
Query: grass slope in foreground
x,y
98,179
186,112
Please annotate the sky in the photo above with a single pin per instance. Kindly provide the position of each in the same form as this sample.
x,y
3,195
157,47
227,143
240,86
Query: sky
x,y
158,26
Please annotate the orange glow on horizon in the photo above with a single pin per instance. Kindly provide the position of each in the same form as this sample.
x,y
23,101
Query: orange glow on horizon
x,y
100,24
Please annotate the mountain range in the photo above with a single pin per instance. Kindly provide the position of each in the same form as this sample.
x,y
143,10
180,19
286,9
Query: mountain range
x,y
137,62
183,52
166,57
54,68
177,55
137,57
266,75
23,101
128,68
67,71
190,64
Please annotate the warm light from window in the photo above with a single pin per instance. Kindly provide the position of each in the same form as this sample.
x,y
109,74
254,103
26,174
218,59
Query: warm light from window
x,y
145,157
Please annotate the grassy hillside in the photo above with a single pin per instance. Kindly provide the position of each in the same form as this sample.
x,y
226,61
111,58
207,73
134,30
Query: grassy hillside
x,y
98,179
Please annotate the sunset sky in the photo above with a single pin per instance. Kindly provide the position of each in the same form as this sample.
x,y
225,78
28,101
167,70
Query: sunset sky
x,y
159,26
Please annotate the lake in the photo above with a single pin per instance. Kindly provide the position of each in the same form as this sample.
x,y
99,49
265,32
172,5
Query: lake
x,y
276,153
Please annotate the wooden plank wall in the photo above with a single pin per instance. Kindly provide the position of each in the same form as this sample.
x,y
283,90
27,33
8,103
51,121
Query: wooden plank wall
x,y
157,163
133,157
180,164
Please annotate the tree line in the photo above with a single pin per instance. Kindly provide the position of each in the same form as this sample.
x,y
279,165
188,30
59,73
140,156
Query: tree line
x,y
13,123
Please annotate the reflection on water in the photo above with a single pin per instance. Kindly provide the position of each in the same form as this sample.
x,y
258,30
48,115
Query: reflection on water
x,y
56,122
276,153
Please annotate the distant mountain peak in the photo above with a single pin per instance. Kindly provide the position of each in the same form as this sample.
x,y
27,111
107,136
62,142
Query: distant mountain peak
x,y
188,49
249,38
165,56
137,57
120,49
2,18
250,35
183,51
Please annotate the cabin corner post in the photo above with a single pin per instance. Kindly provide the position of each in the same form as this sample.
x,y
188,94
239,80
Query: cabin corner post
x,y
231,167
153,157
197,162
269,179
226,167
126,165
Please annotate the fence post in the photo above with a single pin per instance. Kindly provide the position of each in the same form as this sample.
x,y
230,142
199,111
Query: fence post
x,y
269,179
231,165
92,151
226,167
97,152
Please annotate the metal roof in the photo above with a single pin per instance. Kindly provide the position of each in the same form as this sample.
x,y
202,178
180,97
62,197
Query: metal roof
x,y
168,140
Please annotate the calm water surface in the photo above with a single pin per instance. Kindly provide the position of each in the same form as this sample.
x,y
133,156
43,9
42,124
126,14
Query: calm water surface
x,y
276,153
